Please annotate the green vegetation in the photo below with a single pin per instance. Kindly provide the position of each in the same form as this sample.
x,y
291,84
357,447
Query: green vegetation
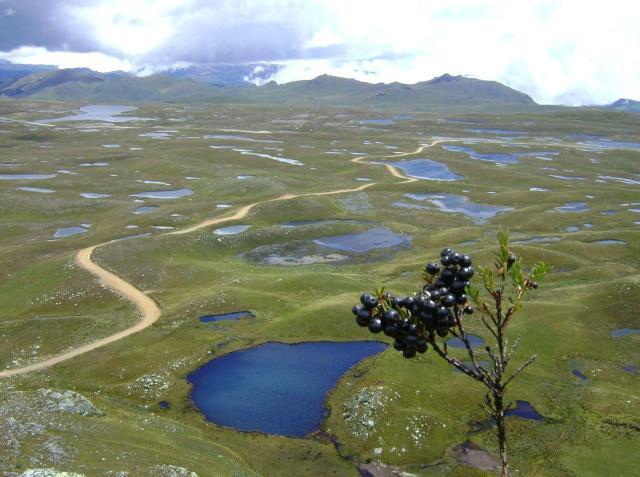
x,y
47,301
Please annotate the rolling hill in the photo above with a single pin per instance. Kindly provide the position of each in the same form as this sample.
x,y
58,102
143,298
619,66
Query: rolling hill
x,y
444,92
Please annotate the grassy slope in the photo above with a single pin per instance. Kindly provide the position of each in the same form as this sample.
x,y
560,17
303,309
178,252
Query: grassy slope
x,y
594,288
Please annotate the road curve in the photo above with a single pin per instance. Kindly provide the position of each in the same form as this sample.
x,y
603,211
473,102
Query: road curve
x,y
147,307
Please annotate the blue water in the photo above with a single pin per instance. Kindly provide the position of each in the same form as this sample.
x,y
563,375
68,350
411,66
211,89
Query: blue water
x,y
10,177
275,388
474,341
537,239
426,169
147,209
232,230
226,316
496,131
610,242
452,203
302,223
578,374
99,112
632,368
604,143
364,241
388,121
504,158
40,190
525,410
624,332
69,232
572,207
164,194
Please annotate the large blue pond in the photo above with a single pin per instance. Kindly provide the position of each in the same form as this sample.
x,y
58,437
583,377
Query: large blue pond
x,y
275,388
372,239
505,158
460,204
99,112
426,169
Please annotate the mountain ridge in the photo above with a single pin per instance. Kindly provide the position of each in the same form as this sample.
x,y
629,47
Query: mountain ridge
x,y
442,92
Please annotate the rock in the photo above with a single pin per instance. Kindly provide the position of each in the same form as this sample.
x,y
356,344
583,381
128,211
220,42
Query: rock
x,y
68,401
48,473
164,470
471,455
378,469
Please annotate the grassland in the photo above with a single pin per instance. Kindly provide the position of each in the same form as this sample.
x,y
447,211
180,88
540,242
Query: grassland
x,y
50,305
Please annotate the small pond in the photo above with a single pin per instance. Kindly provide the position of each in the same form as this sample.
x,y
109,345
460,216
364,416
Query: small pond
x,y
232,230
376,238
610,242
69,231
474,341
146,209
94,195
99,112
226,316
452,203
504,158
426,169
525,410
164,194
15,177
275,388
620,332
579,374
496,131
40,190
572,207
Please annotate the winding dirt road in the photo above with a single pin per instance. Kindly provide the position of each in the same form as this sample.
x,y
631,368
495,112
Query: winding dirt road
x,y
147,307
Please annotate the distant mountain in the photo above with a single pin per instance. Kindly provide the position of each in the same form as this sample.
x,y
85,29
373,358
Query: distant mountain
x,y
11,71
445,92
221,74
624,104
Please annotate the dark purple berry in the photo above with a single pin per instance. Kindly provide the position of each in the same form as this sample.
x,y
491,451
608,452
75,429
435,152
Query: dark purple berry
x,y
409,352
432,268
465,261
468,310
466,273
446,251
448,300
376,325
368,300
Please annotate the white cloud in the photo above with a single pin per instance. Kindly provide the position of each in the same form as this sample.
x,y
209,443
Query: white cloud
x,y
66,59
558,51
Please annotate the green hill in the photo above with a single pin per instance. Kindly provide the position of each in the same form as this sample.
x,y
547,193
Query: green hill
x,y
442,93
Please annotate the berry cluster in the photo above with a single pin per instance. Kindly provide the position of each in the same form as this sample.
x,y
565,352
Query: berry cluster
x,y
415,320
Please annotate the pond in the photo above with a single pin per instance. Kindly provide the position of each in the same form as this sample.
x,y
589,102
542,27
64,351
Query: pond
x,y
99,112
572,207
232,230
620,332
11,177
164,194
40,190
285,160
496,131
474,341
372,239
226,316
452,203
69,232
275,388
610,242
240,138
525,410
504,158
579,374
94,195
147,209
537,239
426,169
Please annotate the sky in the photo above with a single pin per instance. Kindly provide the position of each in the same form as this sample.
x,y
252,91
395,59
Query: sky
x,y
558,51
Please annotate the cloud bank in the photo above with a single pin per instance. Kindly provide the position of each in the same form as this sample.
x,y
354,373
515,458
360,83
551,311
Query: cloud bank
x,y
563,51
